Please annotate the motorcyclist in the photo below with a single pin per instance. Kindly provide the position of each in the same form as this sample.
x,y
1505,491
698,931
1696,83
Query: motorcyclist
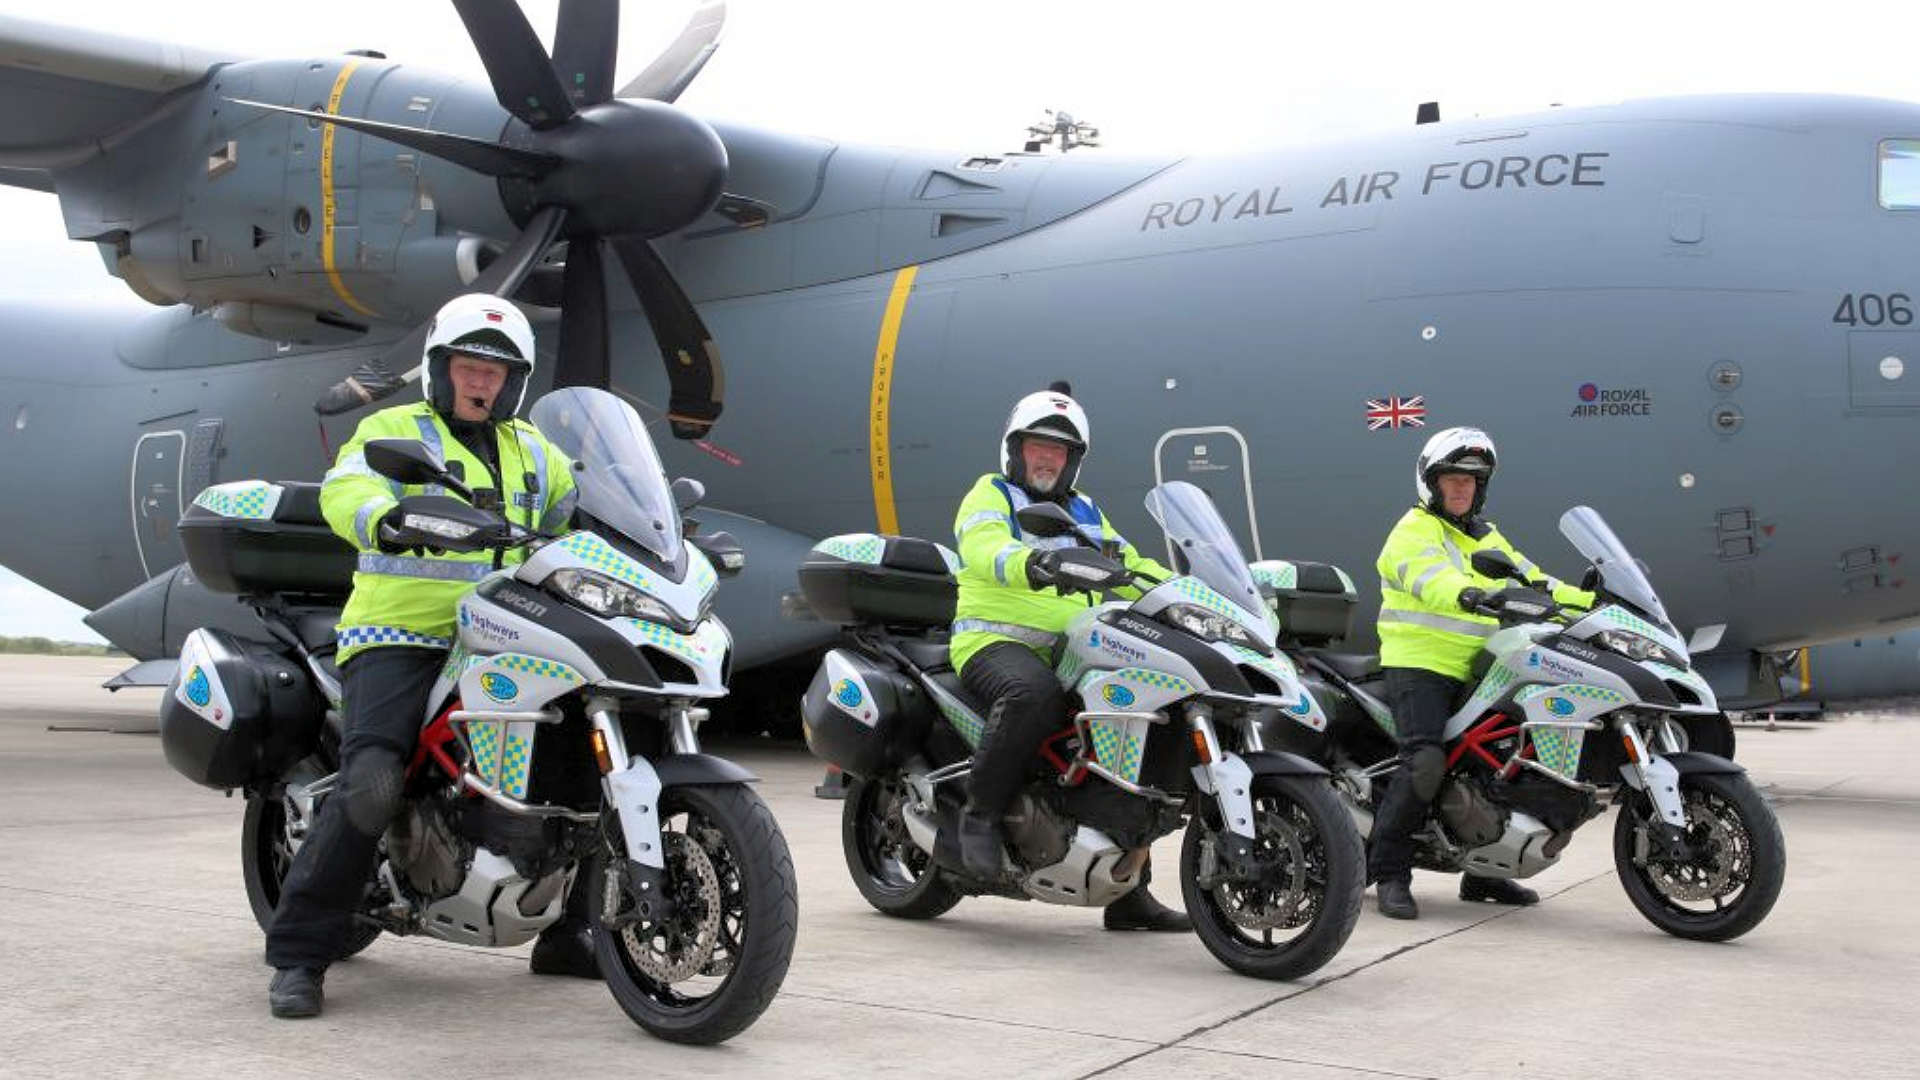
x,y
1430,633
395,632
1009,618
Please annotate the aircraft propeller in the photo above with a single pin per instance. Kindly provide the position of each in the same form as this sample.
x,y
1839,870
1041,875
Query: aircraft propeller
x,y
594,169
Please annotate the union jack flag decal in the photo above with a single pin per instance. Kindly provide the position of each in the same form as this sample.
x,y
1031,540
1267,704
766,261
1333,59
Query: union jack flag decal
x,y
1396,412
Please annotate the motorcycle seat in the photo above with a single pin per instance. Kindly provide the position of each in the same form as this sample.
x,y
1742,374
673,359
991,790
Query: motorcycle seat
x,y
1356,667
926,653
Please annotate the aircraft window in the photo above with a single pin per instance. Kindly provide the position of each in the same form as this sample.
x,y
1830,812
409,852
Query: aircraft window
x,y
1900,174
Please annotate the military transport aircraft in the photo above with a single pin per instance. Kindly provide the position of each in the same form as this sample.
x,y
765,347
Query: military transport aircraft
x,y
1695,314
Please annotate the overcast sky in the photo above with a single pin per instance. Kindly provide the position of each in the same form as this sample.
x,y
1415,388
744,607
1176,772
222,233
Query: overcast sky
x,y
1186,77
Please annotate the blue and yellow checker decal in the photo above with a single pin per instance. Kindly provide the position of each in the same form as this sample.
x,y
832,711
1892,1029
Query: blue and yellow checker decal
x,y
1580,691
1159,680
854,547
1117,749
1558,748
515,762
485,738
253,500
699,646
970,727
598,555
534,665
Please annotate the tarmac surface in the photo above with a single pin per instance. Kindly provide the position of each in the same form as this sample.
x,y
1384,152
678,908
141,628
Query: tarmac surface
x,y
128,950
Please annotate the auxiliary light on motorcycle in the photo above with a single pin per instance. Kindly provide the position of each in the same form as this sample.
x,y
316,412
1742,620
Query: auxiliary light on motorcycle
x,y
1211,626
445,528
1638,647
608,598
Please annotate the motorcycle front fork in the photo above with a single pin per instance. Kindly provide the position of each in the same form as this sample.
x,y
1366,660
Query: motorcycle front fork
x,y
631,786
1651,774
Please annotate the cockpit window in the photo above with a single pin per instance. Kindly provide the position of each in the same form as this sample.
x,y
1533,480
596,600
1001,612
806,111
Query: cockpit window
x,y
1900,174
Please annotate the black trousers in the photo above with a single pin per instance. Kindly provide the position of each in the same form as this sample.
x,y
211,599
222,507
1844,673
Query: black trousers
x,y
1421,702
385,695
1027,706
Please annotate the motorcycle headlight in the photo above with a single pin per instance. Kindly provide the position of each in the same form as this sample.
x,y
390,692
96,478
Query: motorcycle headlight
x,y
609,598
1638,647
1210,625
445,528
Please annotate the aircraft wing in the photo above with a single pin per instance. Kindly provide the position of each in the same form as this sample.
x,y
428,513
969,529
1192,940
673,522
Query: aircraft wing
x,y
65,91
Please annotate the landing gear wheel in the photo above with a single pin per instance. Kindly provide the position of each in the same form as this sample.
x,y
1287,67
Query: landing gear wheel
x,y
266,855
888,868
1735,874
709,968
1298,916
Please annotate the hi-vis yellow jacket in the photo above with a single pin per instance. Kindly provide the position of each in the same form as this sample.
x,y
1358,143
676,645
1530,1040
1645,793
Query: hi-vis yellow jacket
x,y
409,599
996,603
1423,568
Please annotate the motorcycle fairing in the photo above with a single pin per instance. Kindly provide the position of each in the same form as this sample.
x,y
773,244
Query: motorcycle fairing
x,y
687,598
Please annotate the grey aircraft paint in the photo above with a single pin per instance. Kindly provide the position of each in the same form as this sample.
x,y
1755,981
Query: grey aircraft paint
x,y
1681,312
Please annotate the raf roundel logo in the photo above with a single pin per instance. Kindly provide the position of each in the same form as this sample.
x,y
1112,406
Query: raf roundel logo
x,y
498,686
199,691
1589,391
1116,695
1559,706
847,692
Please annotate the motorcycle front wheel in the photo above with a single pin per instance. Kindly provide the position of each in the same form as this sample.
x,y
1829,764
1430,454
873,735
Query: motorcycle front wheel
x,y
711,966
1733,877
1301,912
888,868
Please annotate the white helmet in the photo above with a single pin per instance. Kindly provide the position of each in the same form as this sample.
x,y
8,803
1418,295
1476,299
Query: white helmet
x,y
1462,450
1049,414
485,326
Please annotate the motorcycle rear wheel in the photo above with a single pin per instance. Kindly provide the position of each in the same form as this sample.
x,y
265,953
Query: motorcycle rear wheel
x,y
266,854
888,868
1309,839
1732,886
708,971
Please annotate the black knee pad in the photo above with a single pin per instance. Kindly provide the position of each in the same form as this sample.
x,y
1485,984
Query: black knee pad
x,y
371,785
1426,767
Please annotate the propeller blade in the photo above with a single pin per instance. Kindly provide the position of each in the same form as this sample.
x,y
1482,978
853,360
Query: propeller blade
x,y
673,69
375,379
695,380
516,63
585,42
486,158
583,318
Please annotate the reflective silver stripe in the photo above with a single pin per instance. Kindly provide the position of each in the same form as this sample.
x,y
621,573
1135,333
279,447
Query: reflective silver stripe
x,y
1454,557
355,464
430,434
538,452
435,569
1025,634
1399,578
1421,581
983,517
1438,622
1000,560
557,514
363,521
1527,567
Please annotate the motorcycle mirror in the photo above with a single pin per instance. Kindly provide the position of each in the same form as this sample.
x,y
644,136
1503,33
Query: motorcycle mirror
x,y
1044,520
687,493
411,461
1494,563
723,551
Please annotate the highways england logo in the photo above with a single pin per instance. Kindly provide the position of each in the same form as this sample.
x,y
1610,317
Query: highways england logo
x,y
1599,402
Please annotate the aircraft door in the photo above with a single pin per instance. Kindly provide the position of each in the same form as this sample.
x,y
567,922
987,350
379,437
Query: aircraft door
x,y
159,458
1214,459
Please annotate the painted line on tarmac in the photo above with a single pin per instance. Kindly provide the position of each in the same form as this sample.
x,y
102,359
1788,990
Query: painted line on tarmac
x,y
1289,996
119,902
121,822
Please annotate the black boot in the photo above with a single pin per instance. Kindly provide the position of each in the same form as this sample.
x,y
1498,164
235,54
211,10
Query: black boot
x,y
1493,890
565,948
1395,899
1139,910
982,851
295,992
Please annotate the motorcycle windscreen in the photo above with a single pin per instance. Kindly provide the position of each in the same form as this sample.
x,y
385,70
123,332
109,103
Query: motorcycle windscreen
x,y
1589,534
1204,541
618,473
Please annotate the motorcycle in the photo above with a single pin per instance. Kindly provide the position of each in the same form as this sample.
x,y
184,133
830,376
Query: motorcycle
x,y
559,740
1166,692
1568,711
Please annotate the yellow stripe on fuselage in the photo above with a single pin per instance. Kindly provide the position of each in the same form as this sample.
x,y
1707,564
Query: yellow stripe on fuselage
x,y
879,433
327,205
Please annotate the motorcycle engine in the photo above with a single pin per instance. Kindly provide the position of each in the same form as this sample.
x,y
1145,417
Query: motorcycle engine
x,y
1039,832
425,849
1470,815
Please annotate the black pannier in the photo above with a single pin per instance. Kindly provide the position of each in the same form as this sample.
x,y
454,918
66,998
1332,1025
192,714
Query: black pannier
x,y
861,716
883,580
254,537
1314,601
236,714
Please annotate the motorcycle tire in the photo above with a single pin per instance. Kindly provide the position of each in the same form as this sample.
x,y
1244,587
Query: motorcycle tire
x,y
894,875
744,867
265,857
1304,823
1747,855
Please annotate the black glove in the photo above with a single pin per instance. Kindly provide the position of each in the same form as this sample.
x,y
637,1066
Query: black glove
x,y
1471,598
389,523
1043,569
